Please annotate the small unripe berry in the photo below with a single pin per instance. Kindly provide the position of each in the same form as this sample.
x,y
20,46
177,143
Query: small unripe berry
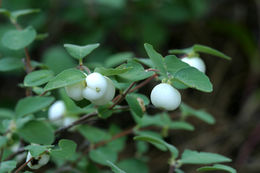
x,y
75,91
195,62
109,94
57,110
38,161
96,86
165,96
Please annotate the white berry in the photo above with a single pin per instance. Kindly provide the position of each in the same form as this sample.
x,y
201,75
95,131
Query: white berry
x,y
75,91
109,94
165,96
57,110
96,86
38,161
195,62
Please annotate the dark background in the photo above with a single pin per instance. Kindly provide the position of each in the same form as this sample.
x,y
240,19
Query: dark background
x,y
231,26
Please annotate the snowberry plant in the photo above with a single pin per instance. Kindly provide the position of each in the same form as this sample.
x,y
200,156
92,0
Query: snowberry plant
x,y
55,124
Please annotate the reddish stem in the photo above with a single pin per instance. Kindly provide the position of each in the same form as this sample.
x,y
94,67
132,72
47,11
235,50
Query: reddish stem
x,y
23,165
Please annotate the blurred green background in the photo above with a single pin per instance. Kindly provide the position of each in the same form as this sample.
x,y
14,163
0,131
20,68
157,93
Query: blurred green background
x,y
231,26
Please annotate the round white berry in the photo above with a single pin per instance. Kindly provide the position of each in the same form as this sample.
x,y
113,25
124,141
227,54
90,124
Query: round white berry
x,y
109,94
75,91
57,110
38,161
96,86
195,62
165,96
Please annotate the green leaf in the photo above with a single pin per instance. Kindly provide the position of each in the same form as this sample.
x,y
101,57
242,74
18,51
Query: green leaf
x,y
7,166
146,61
79,52
114,168
104,111
133,165
93,134
204,116
65,78
5,12
57,59
36,150
163,120
209,50
217,167
6,113
143,97
18,39
103,154
151,139
9,64
197,48
181,51
32,104
134,105
38,132
111,71
157,59
174,64
3,141
181,125
37,78
18,13
66,150
118,59
194,79
195,157
136,72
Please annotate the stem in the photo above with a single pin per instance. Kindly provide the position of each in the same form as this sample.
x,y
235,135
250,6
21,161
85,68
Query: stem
x,y
79,121
143,83
28,61
1,155
171,169
119,135
23,165
122,96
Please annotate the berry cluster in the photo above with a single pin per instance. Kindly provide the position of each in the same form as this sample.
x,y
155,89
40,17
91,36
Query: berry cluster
x,y
96,88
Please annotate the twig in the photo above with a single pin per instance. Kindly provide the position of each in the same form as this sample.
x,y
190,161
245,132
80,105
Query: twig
x,y
122,96
28,61
171,169
45,92
102,143
23,165
1,155
81,120
84,68
143,83
119,135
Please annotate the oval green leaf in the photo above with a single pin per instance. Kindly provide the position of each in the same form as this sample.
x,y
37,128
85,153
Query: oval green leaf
x,y
66,149
195,157
18,39
37,132
209,50
153,140
79,52
194,79
65,78
9,64
32,104
217,167
37,78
